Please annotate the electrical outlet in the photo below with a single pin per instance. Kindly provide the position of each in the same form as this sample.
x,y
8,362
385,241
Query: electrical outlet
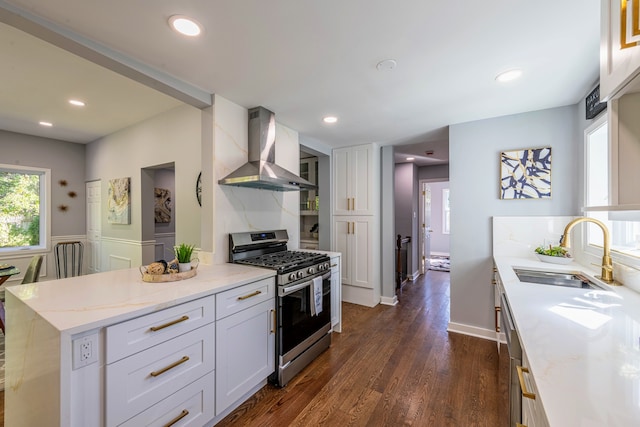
x,y
85,351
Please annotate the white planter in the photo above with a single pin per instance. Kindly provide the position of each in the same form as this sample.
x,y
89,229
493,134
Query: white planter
x,y
184,266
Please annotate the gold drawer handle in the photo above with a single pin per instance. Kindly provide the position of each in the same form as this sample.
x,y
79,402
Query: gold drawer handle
x,y
520,425
166,325
498,309
273,328
523,386
183,414
173,365
252,294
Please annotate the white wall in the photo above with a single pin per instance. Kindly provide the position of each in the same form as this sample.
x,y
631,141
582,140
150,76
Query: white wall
x,y
245,209
171,137
474,181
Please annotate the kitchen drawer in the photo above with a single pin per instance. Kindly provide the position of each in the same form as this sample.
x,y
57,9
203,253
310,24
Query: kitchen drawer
x,y
189,406
237,299
139,381
132,336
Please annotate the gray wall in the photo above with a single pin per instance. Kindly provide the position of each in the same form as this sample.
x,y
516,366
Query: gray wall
x,y
66,161
406,209
434,173
474,181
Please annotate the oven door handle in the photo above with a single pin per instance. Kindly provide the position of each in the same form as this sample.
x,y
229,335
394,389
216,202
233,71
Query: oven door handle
x,y
286,291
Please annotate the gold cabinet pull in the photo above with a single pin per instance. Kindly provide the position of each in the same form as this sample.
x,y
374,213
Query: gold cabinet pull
x,y
166,325
497,326
252,294
493,282
166,368
183,414
520,425
523,386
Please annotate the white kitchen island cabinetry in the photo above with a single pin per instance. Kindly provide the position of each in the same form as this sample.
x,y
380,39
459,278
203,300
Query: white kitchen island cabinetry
x,y
245,326
144,352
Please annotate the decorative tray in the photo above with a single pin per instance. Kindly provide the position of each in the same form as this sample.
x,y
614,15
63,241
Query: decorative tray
x,y
167,277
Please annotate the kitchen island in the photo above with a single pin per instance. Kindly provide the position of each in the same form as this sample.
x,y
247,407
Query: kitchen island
x,y
75,347
582,346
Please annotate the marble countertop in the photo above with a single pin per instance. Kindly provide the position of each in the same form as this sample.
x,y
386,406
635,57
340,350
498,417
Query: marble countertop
x,y
583,346
86,302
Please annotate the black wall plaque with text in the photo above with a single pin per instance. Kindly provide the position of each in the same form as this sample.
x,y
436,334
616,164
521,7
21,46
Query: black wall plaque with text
x,y
593,104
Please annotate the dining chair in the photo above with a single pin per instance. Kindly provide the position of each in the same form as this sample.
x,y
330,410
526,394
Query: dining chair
x,y
30,276
33,270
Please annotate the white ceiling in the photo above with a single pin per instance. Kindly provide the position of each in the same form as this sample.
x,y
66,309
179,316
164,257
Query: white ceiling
x,y
307,59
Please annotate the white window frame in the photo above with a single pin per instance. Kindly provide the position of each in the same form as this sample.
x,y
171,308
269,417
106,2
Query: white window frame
x,y
45,209
594,252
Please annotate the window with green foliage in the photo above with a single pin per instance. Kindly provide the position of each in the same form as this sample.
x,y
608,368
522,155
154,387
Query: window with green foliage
x,y
23,207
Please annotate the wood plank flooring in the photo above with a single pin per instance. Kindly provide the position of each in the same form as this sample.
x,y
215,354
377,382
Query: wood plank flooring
x,y
390,366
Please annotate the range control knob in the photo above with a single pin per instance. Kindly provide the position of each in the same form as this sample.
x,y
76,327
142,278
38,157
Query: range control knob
x,y
311,270
325,266
292,276
300,274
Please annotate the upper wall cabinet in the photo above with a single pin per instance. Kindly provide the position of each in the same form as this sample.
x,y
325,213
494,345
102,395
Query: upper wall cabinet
x,y
619,48
354,178
624,137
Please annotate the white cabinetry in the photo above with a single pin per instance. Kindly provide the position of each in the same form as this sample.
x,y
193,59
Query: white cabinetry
x,y
336,294
533,414
624,140
150,358
619,48
356,219
245,341
355,174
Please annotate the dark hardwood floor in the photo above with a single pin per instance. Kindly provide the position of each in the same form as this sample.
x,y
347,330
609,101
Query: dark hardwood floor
x,y
390,366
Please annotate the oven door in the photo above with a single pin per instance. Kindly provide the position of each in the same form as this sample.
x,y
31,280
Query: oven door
x,y
297,322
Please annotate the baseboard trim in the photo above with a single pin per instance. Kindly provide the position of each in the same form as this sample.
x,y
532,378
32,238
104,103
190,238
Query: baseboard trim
x,y
459,328
389,300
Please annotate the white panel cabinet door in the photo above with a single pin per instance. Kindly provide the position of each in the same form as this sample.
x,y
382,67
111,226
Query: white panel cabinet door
x,y
362,241
619,48
354,178
341,239
245,352
336,295
341,183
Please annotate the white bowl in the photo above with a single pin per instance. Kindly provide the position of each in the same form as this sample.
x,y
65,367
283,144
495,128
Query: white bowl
x,y
554,259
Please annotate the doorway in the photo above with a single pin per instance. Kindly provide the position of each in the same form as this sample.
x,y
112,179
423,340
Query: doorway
x,y
158,211
435,217
94,226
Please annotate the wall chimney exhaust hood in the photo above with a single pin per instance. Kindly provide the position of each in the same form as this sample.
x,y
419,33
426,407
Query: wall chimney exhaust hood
x,y
261,170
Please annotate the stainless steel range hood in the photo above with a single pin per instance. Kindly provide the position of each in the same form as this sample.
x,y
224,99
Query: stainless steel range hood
x,y
261,171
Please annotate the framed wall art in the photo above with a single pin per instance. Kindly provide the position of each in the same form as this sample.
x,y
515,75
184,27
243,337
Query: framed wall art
x,y
525,174
118,203
162,205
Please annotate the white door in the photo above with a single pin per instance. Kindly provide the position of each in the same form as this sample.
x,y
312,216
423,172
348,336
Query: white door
x,y
425,234
94,226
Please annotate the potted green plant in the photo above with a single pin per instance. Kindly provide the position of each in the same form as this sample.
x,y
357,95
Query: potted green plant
x,y
183,255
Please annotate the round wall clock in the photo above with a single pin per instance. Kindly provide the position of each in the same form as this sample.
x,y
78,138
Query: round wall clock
x,y
199,189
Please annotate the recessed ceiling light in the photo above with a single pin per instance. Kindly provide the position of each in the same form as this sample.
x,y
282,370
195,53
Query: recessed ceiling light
x,y
507,76
185,25
47,124
330,119
76,102
411,158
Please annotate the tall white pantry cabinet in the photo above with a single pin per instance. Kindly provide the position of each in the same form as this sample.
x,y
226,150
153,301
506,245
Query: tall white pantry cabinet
x,y
356,221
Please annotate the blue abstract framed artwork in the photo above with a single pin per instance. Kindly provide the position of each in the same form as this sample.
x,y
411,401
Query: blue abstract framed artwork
x,y
525,174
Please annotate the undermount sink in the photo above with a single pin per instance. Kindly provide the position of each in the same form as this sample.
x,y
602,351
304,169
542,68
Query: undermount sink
x,y
554,278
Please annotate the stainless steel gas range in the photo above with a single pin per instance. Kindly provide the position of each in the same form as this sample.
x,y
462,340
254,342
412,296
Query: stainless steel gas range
x,y
303,297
